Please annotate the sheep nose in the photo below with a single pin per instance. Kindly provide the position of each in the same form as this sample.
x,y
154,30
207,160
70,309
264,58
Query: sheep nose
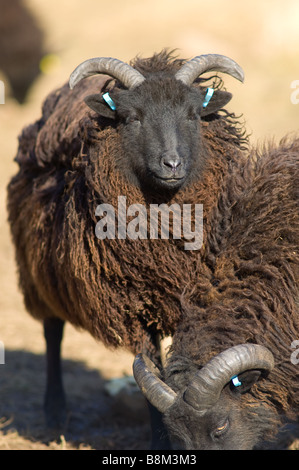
x,y
171,161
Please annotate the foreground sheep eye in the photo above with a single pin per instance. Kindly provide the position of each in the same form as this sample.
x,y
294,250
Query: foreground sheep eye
x,y
221,429
192,116
133,120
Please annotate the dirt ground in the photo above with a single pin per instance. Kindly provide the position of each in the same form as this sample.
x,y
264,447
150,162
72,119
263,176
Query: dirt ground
x,y
264,39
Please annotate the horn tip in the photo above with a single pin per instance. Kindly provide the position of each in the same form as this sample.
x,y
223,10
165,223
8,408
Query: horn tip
x,y
241,76
72,81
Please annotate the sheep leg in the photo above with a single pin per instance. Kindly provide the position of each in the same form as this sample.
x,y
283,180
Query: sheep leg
x,y
55,404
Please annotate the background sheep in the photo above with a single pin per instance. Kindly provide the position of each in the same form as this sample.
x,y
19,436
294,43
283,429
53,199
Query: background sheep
x,y
21,46
123,292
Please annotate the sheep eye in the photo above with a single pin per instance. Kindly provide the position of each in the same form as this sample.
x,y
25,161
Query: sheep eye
x,y
134,119
218,432
192,117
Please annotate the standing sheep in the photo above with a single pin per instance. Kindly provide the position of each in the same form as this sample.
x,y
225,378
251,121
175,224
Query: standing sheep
x,y
161,144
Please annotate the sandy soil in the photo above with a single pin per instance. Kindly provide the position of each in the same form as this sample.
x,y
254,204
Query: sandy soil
x,y
265,41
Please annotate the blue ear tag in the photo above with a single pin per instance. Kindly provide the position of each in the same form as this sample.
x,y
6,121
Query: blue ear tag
x,y
109,101
209,94
236,381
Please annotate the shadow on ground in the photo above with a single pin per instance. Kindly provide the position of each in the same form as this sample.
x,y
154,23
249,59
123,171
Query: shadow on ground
x,y
95,420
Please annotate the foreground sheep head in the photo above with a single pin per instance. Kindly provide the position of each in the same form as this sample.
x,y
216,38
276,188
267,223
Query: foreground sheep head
x,y
207,413
159,115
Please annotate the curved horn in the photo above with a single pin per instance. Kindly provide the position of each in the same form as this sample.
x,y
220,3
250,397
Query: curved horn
x,y
107,65
204,390
207,63
154,389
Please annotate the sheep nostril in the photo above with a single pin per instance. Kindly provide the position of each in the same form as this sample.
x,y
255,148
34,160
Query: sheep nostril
x,y
171,162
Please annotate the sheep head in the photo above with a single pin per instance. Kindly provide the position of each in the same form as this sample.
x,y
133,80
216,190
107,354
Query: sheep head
x,y
159,116
210,411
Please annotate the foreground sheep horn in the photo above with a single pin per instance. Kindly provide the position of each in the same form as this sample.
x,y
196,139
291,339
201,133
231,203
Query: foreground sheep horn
x,y
205,389
208,63
132,78
106,65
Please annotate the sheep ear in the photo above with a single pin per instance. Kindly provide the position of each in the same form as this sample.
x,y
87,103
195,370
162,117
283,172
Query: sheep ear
x,y
219,100
97,104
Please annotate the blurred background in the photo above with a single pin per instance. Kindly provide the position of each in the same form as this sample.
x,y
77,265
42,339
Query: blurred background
x,y
40,44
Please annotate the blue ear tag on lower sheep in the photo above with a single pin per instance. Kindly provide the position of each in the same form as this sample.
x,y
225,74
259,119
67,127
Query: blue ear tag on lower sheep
x,y
208,96
109,101
236,381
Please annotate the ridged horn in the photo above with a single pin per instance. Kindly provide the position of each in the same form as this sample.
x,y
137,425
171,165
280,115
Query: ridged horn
x,y
153,388
208,63
205,388
123,72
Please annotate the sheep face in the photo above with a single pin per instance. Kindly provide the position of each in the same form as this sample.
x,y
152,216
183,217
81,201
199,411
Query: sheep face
x,y
218,406
159,122
235,422
158,114
160,132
